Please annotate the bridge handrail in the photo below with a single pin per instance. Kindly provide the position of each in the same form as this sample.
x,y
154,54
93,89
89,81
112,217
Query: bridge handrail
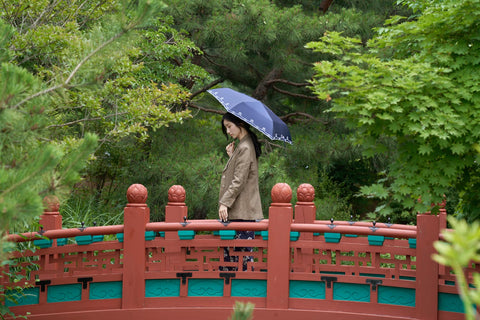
x,y
356,230
65,233
308,260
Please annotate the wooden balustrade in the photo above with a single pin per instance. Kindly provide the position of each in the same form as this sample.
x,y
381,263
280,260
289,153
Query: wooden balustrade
x,y
302,267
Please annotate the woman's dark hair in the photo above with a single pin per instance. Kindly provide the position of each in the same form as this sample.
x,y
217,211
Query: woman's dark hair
x,y
240,123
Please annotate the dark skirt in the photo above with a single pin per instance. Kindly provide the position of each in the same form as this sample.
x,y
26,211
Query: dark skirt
x,y
244,235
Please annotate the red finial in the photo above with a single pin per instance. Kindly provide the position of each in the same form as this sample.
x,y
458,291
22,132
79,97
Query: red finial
x,y
281,193
305,193
137,194
51,204
176,194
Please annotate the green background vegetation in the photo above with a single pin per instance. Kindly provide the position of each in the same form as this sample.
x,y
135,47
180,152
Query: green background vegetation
x,y
381,98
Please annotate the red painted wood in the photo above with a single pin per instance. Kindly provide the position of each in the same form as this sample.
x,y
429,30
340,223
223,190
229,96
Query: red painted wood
x,y
280,219
427,269
136,215
277,261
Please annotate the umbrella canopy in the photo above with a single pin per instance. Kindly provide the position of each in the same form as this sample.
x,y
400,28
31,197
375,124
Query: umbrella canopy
x,y
253,112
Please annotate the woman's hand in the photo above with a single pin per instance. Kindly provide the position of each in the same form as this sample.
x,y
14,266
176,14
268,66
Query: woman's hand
x,y
230,148
223,213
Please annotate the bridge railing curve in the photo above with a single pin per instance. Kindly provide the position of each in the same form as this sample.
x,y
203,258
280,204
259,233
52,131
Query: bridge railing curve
x,y
300,267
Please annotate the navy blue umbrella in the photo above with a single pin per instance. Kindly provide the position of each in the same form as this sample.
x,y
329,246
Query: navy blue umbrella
x,y
253,112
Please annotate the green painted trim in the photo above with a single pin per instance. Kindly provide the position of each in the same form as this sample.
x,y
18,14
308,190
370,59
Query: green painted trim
x,y
62,241
375,240
307,289
450,302
412,243
351,292
249,288
294,235
162,288
105,290
408,278
83,240
119,237
332,237
396,296
26,296
98,238
227,234
205,287
64,293
150,235
186,234
43,243
264,234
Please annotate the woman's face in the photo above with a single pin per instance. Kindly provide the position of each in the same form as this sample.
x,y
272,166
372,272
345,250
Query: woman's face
x,y
233,130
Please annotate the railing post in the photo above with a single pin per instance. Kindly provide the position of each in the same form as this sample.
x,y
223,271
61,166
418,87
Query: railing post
x,y
426,301
51,219
305,212
278,256
136,216
175,211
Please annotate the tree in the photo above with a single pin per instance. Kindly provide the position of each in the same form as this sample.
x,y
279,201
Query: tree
x,y
70,72
414,83
322,147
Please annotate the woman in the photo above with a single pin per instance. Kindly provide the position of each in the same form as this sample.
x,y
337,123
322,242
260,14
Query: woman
x,y
239,198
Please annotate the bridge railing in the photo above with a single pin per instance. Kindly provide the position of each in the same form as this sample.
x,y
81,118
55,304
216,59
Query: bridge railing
x,y
300,265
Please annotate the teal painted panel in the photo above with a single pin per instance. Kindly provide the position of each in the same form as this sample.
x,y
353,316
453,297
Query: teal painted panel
x,y
450,302
307,289
25,297
162,288
396,296
105,290
351,292
249,288
64,293
205,287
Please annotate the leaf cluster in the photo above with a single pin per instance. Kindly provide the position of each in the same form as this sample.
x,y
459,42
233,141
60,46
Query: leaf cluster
x,y
422,93
460,250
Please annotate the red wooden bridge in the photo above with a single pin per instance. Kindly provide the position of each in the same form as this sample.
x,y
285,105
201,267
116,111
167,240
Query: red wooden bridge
x,y
303,268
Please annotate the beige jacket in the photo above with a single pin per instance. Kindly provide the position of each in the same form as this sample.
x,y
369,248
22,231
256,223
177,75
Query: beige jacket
x,y
239,186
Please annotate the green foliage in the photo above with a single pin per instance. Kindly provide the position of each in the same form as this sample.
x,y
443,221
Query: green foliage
x,y
460,250
423,94
242,311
